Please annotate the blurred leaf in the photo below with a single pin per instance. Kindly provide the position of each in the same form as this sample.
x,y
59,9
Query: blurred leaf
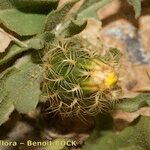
x,y
104,122
137,6
134,137
6,108
133,104
3,77
48,36
35,43
35,5
56,17
14,50
90,7
71,27
22,23
25,17
20,86
5,4
75,27
26,82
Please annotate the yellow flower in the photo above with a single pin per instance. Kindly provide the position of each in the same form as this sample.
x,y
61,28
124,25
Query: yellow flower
x,y
101,77
111,79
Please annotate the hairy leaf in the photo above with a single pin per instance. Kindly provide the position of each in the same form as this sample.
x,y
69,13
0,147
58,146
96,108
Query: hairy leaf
x,y
20,86
48,36
134,137
14,50
35,6
25,17
27,88
71,27
5,4
6,108
134,104
56,17
3,77
22,23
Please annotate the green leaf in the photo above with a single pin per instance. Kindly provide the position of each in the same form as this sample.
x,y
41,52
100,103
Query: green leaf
x,y
57,16
35,5
5,4
6,108
22,23
26,81
20,86
90,7
48,36
133,104
25,17
71,27
137,6
14,50
36,43
3,77
134,137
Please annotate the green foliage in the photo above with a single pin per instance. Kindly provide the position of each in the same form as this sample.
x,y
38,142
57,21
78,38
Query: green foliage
x,y
20,84
25,17
137,6
36,28
18,48
134,137
5,4
90,7
6,108
62,24
133,104
35,6
20,87
22,23
70,28
58,16
75,27
28,17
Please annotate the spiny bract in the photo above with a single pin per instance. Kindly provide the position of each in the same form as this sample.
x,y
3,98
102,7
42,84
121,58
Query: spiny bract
x,y
78,80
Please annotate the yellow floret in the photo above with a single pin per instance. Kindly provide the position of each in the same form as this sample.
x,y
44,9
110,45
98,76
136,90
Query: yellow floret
x,y
111,79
